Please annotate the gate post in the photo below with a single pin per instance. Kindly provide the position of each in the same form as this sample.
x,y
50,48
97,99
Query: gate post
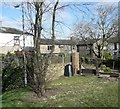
x,y
75,62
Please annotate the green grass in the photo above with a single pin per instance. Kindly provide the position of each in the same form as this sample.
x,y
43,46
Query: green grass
x,y
76,91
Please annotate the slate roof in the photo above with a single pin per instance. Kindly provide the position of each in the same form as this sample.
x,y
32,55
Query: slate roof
x,y
49,41
11,30
115,39
43,41
59,42
87,42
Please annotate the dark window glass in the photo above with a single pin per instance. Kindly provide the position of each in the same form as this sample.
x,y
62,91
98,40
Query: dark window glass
x,y
16,40
49,47
115,46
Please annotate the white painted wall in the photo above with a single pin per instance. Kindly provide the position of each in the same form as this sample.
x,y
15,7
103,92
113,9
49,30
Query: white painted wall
x,y
7,42
7,37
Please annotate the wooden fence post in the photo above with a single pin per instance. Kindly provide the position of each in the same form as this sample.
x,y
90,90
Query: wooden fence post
x,y
75,62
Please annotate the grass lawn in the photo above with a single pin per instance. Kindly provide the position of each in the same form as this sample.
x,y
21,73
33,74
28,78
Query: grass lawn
x,y
76,91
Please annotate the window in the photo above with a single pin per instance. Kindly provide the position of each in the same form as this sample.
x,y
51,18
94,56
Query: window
x,y
16,40
115,55
74,47
78,49
61,46
50,47
115,46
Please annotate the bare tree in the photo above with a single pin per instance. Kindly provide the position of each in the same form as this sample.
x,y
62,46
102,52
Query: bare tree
x,y
40,62
106,27
99,29
34,13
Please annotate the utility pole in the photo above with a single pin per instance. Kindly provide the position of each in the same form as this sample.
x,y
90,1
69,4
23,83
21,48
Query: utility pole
x,y
24,56
119,29
71,39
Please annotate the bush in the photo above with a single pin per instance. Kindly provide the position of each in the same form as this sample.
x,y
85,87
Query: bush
x,y
86,60
109,63
107,69
108,56
82,59
12,73
12,78
103,67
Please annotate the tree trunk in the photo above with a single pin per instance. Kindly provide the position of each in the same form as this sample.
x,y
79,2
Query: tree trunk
x,y
38,71
41,63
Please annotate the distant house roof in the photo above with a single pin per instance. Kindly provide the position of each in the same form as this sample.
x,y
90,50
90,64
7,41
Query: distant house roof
x,y
87,42
115,39
59,42
11,30
49,41
43,41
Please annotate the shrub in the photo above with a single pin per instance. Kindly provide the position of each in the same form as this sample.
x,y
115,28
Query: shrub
x,y
12,73
12,78
82,59
107,69
109,63
103,67
108,56
86,60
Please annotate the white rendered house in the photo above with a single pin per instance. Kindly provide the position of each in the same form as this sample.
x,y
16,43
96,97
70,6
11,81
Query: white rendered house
x,y
11,42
